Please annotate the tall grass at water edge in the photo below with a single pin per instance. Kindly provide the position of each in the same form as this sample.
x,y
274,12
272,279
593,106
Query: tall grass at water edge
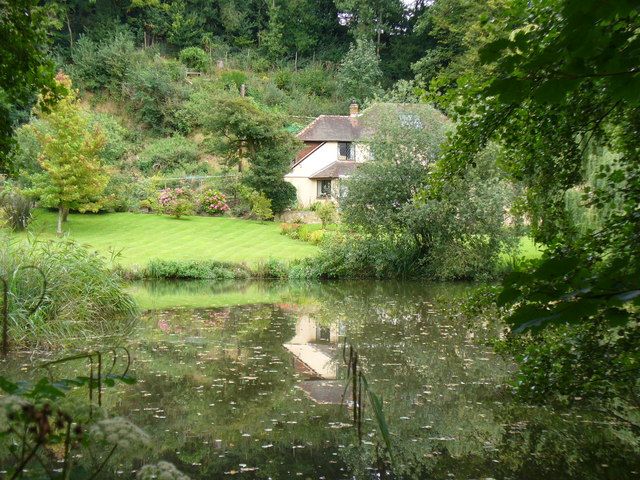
x,y
84,303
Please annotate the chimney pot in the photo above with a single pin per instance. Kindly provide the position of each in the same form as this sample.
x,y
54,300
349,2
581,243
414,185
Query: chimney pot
x,y
354,109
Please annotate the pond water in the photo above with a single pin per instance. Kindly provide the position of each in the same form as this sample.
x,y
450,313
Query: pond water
x,y
248,381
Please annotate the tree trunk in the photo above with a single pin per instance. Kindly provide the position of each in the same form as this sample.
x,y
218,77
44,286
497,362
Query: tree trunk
x,y
60,220
70,31
379,32
65,215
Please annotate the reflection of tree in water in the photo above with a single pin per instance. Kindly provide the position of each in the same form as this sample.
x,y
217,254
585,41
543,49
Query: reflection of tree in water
x,y
446,398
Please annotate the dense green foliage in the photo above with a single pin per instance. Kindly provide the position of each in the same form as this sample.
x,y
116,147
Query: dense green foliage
x,y
251,137
566,79
26,67
195,58
169,154
385,200
210,270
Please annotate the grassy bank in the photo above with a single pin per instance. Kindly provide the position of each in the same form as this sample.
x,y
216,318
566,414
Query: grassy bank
x,y
217,248
139,238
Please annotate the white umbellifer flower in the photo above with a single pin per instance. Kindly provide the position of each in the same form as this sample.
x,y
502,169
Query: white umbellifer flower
x,y
161,471
121,432
10,404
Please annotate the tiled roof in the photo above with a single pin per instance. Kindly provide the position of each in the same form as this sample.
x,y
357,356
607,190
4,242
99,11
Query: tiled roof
x,y
341,128
337,169
327,128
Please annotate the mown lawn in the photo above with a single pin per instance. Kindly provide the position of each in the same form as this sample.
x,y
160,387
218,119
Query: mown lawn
x,y
141,237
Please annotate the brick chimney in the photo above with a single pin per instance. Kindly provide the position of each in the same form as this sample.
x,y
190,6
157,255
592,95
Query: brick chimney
x,y
354,109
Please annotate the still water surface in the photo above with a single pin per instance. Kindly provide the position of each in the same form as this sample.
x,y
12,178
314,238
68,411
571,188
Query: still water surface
x,y
247,381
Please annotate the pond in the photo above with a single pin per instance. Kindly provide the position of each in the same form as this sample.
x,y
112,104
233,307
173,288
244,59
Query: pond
x,y
248,380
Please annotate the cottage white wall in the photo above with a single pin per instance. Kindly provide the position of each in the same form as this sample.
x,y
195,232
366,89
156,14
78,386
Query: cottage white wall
x,y
306,190
325,155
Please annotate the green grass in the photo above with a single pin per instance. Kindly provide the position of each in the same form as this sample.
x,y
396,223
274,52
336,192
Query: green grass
x,y
530,250
142,237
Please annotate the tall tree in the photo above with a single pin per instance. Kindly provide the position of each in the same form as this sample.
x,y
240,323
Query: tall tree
x,y
72,175
272,38
370,19
455,31
25,67
255,139
360,73
565,78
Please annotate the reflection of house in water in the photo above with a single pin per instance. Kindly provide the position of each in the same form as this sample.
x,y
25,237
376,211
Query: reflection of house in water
x,y
315,355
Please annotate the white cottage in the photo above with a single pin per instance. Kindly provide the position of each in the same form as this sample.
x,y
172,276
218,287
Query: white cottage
x,y
335,145
332,151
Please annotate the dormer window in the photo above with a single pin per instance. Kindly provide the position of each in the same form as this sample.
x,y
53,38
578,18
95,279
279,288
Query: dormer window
x,y
346,151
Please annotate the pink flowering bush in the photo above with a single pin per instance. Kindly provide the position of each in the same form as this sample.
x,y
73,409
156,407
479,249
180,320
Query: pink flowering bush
x,y
176,202
213,203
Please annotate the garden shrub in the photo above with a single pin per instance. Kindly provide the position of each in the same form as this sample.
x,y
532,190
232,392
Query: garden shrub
x,y
267,93
195,269
176,202
316,237
260,205
85,303
290,229
15,209
271,268
327,212
167,154
283,79
314,81
120,195
195,58
280,193
312,233
213,202
365,256
304,270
